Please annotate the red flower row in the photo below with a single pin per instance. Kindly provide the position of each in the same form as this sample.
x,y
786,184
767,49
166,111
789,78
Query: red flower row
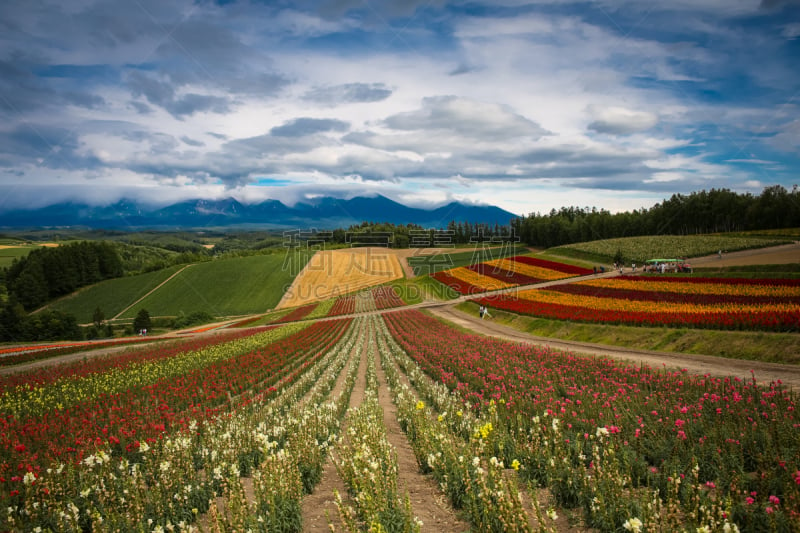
x,y
676,297
515,278
144,413
785,321
552,265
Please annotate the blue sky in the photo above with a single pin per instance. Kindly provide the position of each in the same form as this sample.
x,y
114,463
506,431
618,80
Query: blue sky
x,y
525,105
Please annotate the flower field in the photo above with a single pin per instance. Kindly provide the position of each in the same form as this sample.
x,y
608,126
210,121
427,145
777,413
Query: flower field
x,y
505,273
23,354
81,417
232,431
369,300
722,303
624,444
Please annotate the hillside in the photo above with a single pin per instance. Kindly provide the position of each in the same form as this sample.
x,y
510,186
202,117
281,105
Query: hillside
x,y
224,287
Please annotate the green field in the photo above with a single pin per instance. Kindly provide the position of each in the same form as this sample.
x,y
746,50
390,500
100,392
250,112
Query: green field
x,y
111,296
640,249
7,255
224,287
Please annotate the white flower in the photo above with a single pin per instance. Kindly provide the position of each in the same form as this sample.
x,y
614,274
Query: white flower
x,y
555,424
634,525
601,432
551,513
29,478
164,466
703,529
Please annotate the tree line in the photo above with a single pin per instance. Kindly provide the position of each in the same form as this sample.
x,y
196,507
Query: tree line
x,y
714,211
47,273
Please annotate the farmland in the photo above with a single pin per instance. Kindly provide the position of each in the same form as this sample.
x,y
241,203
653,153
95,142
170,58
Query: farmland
x,y
332,273
278,425
724,303
109,443
111,296
223,287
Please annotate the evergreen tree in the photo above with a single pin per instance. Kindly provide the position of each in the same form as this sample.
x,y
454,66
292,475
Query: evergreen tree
x,y
142,320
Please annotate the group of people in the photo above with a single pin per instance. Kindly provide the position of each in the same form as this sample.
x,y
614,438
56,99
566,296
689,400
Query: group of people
x,y
483,311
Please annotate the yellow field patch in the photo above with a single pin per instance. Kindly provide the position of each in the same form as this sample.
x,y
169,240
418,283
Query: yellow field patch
x,y
332,273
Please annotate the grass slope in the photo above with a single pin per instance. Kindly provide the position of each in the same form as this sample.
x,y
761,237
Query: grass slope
x,y
111,296
224,287
639,249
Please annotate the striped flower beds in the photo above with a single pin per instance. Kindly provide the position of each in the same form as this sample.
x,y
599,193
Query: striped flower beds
x,y
504,273
386,298
298,314
501,274
344,305
718,303
465,281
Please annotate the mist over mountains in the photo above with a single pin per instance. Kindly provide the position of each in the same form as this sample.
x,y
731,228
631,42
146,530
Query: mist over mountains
x,y
323,212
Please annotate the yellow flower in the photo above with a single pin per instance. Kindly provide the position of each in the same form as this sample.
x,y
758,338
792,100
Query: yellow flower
x,y
420,405
515,464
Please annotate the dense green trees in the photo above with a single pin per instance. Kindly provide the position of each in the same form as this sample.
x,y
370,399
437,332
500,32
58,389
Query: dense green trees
x,y
48,273
717,210
18,326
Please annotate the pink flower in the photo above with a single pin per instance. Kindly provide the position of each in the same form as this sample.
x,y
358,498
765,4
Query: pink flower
x,y
774,500
749,500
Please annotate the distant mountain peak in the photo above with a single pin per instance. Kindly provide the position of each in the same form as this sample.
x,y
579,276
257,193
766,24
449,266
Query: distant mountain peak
x,y
319,212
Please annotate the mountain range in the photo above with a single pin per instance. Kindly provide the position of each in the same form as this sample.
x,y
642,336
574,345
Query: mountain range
x,y
323,213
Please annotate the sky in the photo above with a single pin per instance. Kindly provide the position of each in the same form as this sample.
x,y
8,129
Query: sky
x,y
528,106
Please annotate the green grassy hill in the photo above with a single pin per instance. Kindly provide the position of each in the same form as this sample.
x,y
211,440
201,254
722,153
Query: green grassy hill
x,y
224,287
639,249
111,296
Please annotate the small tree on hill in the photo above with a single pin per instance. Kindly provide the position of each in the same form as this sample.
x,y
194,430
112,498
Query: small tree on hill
x,y
98,317
142,320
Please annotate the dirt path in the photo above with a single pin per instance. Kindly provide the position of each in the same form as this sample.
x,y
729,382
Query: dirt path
x,y
427,501
774,255
789,375
319,507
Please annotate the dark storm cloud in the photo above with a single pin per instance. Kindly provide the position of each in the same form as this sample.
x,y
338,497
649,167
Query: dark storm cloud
x,y
23,91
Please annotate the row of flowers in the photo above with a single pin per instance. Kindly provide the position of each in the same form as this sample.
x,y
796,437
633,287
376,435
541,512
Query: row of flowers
x,y
653,303
368,300
277,443
754,287
616,440
367,463
171,394
452,444
504,273
15,355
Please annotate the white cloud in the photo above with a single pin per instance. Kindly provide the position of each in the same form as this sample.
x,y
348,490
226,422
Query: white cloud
x,y
620,121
